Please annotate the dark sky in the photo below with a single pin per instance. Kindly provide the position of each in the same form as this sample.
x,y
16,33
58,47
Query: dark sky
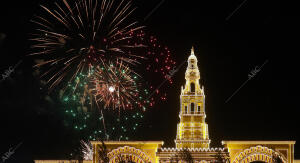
x,y
265,108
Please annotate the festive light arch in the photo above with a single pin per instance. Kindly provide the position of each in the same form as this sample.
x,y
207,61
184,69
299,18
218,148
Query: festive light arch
x,y
136,155
258,153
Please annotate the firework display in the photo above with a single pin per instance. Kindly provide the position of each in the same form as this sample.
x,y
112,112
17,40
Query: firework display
x,y
72,37
105,63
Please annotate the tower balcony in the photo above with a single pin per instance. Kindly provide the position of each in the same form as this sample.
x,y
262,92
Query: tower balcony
x,y
191,94
201,113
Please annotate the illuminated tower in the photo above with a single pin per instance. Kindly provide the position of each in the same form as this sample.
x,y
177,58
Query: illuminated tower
x,y
192,131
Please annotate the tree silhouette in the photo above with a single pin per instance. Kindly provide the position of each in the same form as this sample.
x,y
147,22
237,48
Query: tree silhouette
x,y
124,159
102,153
221,157
276,159
183,155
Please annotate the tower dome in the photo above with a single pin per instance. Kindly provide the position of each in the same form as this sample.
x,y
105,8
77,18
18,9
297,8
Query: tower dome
x,y
192,73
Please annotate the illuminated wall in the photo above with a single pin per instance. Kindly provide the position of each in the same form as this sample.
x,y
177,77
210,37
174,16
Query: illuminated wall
x,y
137,151
265,151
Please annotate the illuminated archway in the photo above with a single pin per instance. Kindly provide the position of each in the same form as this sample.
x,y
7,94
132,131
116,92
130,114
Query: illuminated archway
x,y
135,155
258,153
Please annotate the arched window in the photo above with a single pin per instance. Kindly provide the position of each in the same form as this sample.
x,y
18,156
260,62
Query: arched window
x,y
198,109
192,108
192,87
185,109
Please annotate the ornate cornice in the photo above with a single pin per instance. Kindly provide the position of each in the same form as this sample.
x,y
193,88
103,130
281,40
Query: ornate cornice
x,y
192,149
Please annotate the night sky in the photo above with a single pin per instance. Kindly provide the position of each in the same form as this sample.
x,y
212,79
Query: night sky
x,y
265,108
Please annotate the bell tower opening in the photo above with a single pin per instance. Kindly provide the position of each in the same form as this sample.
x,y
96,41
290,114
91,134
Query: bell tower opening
x,y
192,108
193,62
193,87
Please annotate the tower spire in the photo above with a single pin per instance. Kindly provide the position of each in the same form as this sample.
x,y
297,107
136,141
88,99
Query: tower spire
x,y
192,51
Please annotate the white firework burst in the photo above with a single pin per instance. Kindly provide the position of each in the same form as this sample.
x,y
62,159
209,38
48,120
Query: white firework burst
x,y
86,150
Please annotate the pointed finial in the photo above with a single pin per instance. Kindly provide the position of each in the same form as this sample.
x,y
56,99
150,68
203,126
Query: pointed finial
x,y
192,51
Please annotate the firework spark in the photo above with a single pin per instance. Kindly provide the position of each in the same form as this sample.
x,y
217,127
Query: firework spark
x,y
73,37
86,150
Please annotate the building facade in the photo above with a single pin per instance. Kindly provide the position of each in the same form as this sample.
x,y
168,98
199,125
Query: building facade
x,y
192,140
